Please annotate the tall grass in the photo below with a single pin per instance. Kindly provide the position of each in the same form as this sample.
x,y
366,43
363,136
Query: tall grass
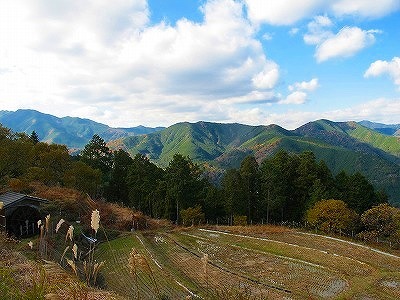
x,y
138,262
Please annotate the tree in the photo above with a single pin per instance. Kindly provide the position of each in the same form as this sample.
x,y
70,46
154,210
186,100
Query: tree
x,y
34,137
251,185
118,187
213,205
331,216
142,180
357,191
185,188
83,177
232,190
192,216
278,175
15,153
97,155
381,221
50,162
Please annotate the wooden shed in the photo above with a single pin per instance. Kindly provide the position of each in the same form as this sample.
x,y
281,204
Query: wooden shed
x,y
19,213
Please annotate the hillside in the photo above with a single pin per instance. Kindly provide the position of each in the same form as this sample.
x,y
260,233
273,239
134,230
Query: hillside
x,y
73,132
343,146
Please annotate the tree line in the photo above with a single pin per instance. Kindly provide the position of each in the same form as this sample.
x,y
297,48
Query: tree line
x,y
283,187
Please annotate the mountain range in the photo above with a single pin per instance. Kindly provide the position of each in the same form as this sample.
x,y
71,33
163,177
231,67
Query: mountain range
x,y
73,132
372,149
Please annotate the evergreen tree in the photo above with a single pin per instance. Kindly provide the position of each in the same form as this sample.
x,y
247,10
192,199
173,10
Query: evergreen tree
x,y
185,188
142,180
97,155
118,188
34,137
233,195
251,186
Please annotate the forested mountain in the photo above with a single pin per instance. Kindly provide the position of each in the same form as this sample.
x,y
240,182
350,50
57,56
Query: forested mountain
x,y
342,145
73,132
346,146
201,141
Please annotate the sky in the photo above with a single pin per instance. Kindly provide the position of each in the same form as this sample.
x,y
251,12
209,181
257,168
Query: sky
x,y
126,63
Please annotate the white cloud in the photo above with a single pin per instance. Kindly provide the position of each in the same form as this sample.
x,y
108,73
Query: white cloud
x,y
365,8
268,77
283,12
382,67
297,97
87,57
318,30
287,12
299,92
309,86
347,42
380,110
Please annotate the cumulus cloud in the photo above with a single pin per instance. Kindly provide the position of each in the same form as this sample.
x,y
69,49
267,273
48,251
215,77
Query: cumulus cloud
x,y
382,67
87,57
310,86
347,42
299,92
268,77
283,12
286,12
296,97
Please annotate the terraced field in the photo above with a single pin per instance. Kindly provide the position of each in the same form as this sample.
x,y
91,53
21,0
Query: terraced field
x,y
229,263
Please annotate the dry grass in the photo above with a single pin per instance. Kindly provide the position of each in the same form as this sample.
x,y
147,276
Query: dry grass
x,y
75,205
21,278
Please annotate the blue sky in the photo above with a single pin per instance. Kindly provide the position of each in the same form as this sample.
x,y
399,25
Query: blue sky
x,y
159,62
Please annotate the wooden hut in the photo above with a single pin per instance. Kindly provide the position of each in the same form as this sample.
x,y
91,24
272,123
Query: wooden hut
x,y
19,213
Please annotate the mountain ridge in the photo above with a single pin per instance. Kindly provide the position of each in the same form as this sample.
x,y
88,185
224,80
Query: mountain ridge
x,y
72,131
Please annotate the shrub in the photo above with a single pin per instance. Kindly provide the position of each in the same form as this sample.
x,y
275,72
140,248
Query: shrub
x,y
192,216
240,220
332,216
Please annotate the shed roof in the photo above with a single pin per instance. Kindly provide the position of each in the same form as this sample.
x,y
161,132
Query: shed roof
x,y
10,198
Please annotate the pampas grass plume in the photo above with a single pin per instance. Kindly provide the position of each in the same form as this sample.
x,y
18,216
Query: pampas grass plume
x,y
75,251
47,223
95,222
70,233
59,224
